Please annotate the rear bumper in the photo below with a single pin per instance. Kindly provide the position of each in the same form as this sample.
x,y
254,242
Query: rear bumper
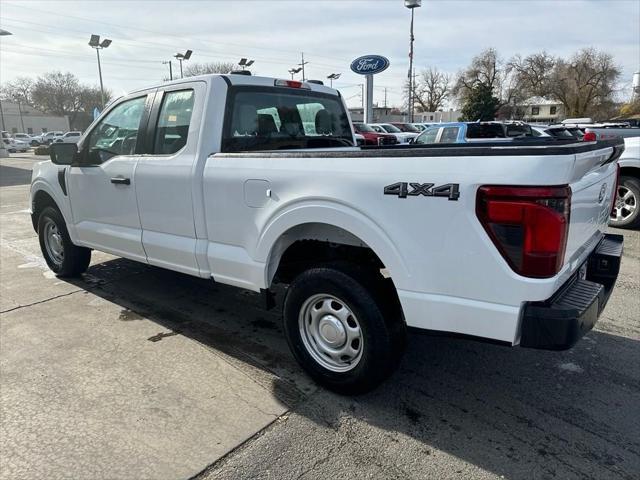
x,y
559,322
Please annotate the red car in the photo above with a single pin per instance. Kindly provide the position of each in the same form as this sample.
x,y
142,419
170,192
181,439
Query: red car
x,y
371,137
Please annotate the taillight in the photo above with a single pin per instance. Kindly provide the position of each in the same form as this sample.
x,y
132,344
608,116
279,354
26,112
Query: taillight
x,y
589,137
614,200
528,225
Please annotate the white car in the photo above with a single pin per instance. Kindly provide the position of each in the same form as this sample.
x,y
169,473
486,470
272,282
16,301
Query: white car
x,y
12,145
69,137
49,137
24,137
403,137
219,179
626,210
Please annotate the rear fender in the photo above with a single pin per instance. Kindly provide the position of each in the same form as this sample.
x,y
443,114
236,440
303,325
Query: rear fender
x,y
270,246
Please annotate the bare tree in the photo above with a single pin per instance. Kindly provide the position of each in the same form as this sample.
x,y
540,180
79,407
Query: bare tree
x,y
18,90
585,84
195,69
62,94
431,89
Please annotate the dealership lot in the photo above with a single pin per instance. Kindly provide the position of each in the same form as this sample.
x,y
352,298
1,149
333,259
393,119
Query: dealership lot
x,y
136,372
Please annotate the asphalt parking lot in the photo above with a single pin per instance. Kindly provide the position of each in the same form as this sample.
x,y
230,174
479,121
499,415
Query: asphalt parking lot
x,y
137,372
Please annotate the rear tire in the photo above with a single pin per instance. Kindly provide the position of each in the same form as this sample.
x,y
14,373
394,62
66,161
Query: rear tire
x,y
343,329
63,257
626,213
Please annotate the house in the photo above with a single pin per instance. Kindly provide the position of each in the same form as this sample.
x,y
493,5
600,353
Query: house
x,y
541,110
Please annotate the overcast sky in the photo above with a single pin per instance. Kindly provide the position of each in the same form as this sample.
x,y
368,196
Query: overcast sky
x,y
53,35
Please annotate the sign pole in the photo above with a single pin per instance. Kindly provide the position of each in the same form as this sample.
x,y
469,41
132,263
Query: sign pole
x,y
368,104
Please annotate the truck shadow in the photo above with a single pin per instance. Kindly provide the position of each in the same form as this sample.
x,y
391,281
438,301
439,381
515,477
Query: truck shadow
x,y
514,412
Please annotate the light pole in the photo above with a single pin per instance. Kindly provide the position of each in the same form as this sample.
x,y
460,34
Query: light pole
x,y
94,42
2,34
183,56
332,77
411,5
168,62
244,63
293,71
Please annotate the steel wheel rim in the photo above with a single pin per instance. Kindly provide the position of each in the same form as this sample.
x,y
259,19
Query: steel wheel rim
x,y
626,204
331,333
53,241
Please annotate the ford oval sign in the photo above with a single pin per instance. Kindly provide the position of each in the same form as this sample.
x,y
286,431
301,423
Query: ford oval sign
x,y
369,64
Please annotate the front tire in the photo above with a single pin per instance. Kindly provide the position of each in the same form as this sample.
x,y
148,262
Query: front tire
x,y
341,329
62,256
626,212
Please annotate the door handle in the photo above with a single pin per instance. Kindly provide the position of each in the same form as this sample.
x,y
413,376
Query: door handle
x,y
121,181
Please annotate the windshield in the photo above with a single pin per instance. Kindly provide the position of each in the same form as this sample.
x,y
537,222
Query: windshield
x,y
407,127
559,133
284,118
361,127
390,128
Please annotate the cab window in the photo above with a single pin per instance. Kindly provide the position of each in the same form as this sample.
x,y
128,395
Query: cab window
x,y
117,133
284,118
173,123
449,135
428,136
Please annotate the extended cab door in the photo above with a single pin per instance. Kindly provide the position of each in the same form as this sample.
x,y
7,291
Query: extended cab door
x,y
166,177
102,186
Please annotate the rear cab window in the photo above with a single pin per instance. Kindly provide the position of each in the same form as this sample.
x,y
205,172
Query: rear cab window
x,y
273,118
484,130
172,129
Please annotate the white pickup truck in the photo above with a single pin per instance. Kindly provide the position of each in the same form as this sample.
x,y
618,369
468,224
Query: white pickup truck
x,y
250,181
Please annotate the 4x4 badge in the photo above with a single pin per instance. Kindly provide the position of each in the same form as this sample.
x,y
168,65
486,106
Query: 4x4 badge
x,y
401,190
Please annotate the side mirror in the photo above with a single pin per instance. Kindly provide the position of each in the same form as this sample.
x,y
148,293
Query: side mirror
x,y
63,153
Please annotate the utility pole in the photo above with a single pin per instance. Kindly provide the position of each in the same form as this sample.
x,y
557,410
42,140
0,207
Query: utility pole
x,y
385,97
302,64
362,96
20,112
170,69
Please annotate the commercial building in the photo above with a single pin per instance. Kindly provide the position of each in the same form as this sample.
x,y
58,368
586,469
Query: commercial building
x,y
21,118
388,114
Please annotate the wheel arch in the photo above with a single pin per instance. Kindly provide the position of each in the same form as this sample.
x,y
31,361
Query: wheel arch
x,y
334,224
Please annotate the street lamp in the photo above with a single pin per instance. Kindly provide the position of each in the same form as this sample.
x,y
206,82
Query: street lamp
x,y
244,63
94,42
332,77
183,56
293,71
411,5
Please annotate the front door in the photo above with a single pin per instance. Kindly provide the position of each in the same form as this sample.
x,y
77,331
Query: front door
x,y
102,187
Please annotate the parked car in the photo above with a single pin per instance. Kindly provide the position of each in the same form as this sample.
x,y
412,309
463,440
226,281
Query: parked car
x,y
69,137
12,145
422,126
372,137
24,137
402,137
237,191
470,132
49,137
626,210
406,127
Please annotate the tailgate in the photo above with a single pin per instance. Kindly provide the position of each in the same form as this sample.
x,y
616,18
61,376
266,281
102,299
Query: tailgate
x,y
592,193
